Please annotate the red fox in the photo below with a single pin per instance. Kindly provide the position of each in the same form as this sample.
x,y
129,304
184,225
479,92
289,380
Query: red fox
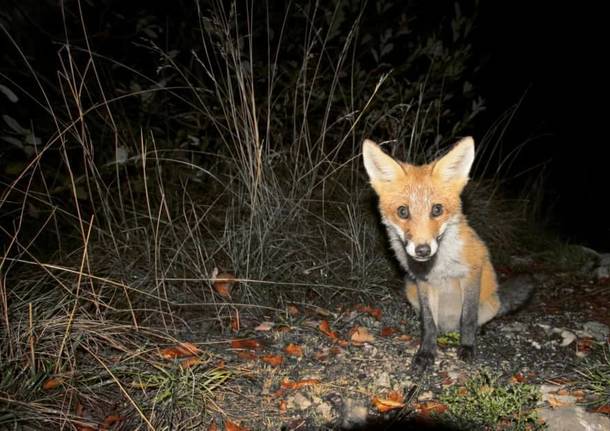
x,y
450,279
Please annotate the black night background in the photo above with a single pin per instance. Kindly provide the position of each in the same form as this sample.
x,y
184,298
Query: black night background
x,y
189,239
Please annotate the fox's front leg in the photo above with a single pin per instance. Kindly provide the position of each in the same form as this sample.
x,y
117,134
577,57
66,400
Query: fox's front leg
x,y
469,322
427,349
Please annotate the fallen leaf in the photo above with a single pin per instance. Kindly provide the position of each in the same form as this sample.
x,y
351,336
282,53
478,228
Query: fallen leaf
x,y
293,350
273,360
288,384
385,405
179,351
246,355
110,420
361,335
556,402
283,406
405,337
396,396
213,426
428,407
584,346
517,378
325,329
388,331
605,409
52,383
374,312
190,362
232,426
235,322
222,283
293,310
265,326
246,343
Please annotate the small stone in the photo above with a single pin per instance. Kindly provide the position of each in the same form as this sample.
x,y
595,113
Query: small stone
x,y
383,380
598,330
567,338
326,411
425,396
301,402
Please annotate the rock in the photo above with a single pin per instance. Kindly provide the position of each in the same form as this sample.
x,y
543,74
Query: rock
x,y
383,380
573,418
567,338
603,267
300,401
598,330
354,414
325,410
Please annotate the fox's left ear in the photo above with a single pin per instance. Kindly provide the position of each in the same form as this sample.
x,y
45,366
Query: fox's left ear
x,y
456,164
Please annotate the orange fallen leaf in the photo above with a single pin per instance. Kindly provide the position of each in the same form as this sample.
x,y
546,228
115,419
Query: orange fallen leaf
x,y
361,335
52,383
374,312
273,360
556,402
283,406
110,420
605,409
288,384
246,343
246,355
213,426
293,310
232,426
429,407
517,378
190,362
385,405
179,351
293,350
325,329
388,331
222,283
396,396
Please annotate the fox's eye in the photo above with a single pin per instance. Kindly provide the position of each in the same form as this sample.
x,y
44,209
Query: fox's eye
x,y
437,210
403,211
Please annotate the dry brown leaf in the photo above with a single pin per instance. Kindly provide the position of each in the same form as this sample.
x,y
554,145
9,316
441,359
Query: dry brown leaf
x,y
517,378
325,329
213,426
246,355
405,337
556,402
293,350
288,384
388,331
110,420
361,335
246,343
283,407
293,310
384,405
179,351
52,383
232,426
273,360
190,362
222,283
374,312
428,407
396,396
605,409
235,322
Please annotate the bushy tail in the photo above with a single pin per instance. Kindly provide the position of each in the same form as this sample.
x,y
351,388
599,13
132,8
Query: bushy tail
x,y
514,293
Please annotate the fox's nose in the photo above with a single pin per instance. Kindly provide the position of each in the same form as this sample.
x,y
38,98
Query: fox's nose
x,y
422,250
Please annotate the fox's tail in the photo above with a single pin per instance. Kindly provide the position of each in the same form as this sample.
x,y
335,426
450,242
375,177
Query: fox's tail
x,y
514,293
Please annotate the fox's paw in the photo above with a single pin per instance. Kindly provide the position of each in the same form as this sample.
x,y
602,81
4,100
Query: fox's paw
x,y
466,353
421,361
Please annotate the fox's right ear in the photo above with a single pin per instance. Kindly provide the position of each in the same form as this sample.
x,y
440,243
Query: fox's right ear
x,y
379,165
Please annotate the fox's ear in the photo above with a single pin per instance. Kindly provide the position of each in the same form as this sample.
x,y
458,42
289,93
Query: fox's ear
x,y
456,164
379,165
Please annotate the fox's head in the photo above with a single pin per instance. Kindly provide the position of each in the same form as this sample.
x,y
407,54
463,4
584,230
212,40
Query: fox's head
x,y
419,203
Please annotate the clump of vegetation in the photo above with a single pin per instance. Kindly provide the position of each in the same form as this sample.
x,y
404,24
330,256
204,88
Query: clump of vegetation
x,y
484,402
595,373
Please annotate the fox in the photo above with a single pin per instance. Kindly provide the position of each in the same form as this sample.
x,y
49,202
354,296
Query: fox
x,y
450,280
